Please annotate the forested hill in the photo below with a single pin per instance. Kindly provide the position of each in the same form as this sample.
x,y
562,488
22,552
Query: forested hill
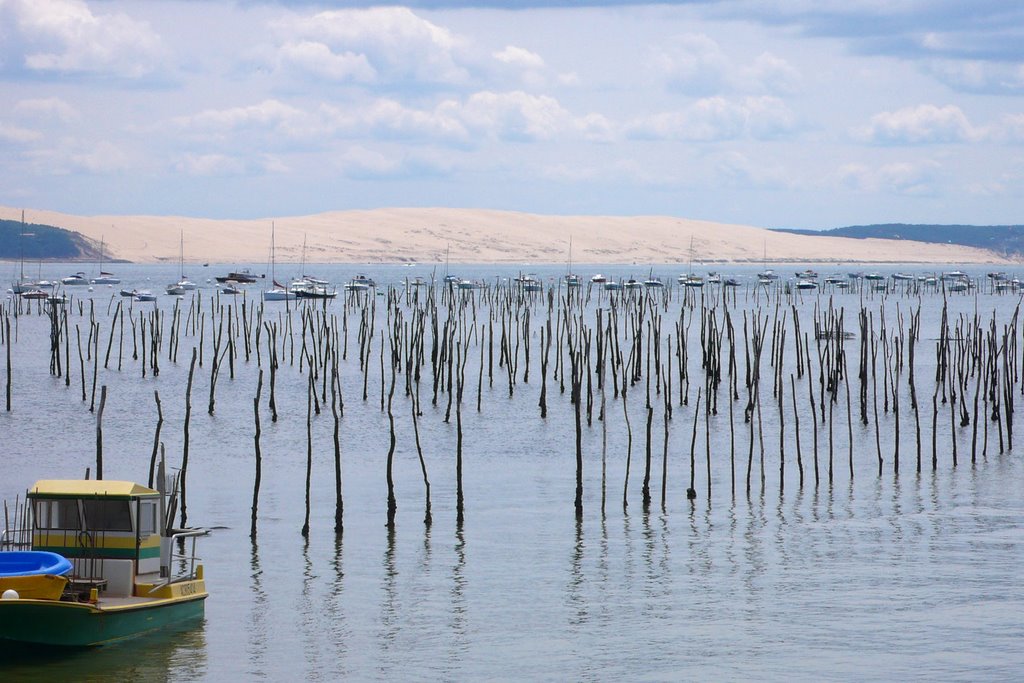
x,y
1007,240
32,242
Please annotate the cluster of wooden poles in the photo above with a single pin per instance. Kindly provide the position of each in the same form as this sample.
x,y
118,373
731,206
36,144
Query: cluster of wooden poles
x,y
676,346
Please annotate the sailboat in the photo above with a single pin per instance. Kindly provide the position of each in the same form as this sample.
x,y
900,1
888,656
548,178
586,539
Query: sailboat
x,y
277,291
448,278
21,285
104,277
571,279
690,279
767,275
183,284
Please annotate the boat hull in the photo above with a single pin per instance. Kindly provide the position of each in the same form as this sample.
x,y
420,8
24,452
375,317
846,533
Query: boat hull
x,y
71,624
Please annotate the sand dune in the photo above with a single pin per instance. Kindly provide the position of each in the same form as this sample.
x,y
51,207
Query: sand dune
x,y
480,236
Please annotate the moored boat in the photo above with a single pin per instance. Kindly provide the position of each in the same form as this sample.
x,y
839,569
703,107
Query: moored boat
x,y
100,566
75,279
241,277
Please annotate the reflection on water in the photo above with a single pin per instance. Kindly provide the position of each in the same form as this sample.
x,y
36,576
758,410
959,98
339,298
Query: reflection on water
x,y
175,653
909,575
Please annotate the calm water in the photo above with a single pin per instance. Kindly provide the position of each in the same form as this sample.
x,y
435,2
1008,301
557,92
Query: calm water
x,y
874,578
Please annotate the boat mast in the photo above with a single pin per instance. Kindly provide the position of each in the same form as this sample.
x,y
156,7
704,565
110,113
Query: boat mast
x,y
21,247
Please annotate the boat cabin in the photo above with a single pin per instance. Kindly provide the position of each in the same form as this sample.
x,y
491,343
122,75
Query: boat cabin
x,y
109,530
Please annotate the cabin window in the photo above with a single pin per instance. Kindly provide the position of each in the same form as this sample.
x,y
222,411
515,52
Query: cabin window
x,y
147,518
57,514
107,515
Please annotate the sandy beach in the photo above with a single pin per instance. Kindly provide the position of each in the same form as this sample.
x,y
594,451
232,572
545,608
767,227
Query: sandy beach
x,y
479,236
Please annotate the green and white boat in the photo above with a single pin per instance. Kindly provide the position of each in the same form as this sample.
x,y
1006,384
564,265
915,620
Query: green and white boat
x,y
129,574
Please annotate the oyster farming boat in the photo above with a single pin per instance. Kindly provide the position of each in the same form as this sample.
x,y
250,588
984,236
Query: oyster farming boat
x,y
96,561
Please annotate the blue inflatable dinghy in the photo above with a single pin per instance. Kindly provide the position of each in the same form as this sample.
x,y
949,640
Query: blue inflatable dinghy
x,y
33,562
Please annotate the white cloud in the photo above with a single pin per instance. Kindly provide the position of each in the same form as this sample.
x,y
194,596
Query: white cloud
x,y
697,65
904,178
319,60
362,163
770,73
972,75
269,114
100,158
52,108
717,118
17,134
66,36
693,63
392,43
737,170
520,57
209,165
923,124
515,115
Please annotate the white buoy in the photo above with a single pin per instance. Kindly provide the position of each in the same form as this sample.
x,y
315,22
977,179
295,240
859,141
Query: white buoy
x,y
10,594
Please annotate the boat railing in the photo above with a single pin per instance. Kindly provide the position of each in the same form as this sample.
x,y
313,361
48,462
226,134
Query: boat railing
x,y
188,559
16,539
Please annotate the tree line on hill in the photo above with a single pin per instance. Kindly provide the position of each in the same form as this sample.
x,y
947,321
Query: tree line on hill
x,y
33,241
1007,240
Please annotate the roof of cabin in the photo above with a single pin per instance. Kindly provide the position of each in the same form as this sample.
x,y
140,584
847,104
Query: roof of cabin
x,y
90,487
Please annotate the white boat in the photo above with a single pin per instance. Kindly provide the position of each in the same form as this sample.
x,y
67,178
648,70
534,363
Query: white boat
x,y
529,283
230,289
469,284
277,292
144,295
902,277
75,280
806,283
691,280
105,278
176,290
361,283
599,279
714,279
612,286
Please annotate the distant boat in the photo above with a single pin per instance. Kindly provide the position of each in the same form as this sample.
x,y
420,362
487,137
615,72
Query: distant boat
x,y
613,286
689,279
75,280
902,277
805,283
183,284
104,277
144,295
314,290
32,294
361,283
599,279
241,277
230,289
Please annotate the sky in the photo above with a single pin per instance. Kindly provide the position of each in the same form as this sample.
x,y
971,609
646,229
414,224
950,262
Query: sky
x,y
774,113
